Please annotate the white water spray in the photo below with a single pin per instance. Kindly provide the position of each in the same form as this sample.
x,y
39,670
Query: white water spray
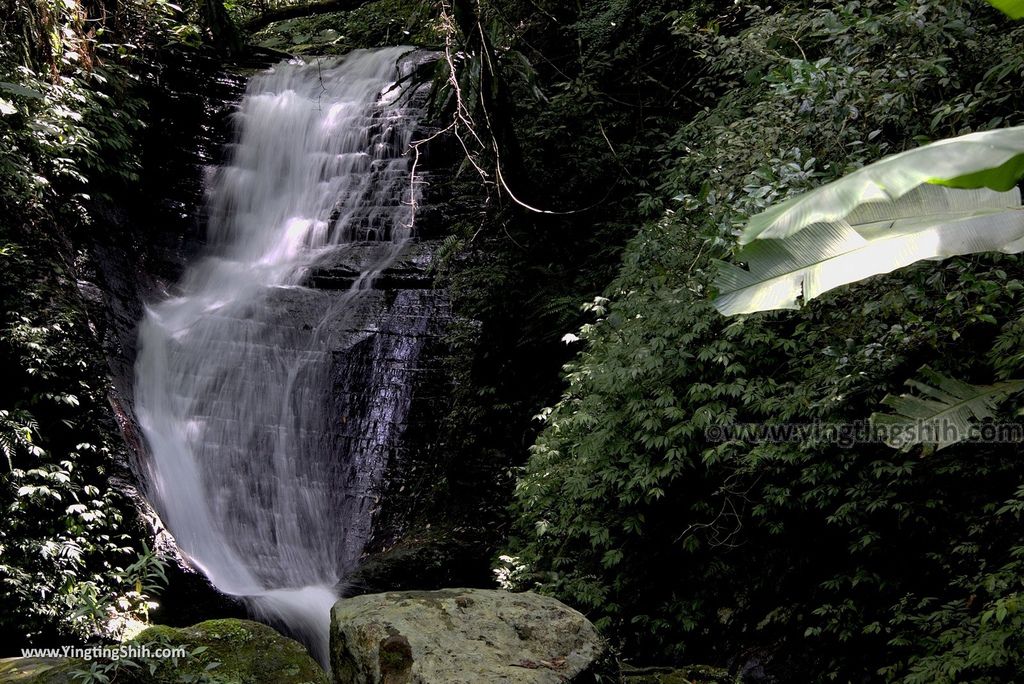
x,y
247,465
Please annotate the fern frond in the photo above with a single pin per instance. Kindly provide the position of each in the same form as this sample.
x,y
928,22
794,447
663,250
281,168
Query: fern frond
x,y
942,411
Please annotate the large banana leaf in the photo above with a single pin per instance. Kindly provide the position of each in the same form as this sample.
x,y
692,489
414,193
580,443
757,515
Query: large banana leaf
x,y
1012,8
930,222
942,411
989,159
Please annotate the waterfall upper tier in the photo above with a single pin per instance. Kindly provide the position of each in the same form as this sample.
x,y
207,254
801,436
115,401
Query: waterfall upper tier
x,y
270,409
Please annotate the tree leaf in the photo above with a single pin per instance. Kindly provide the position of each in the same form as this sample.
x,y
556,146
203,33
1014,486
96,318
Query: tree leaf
x,y
1012,8
931,222
941,412
6,107
989,159
21,90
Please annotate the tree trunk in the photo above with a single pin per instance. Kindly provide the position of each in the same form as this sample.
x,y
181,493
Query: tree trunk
x,y
222,30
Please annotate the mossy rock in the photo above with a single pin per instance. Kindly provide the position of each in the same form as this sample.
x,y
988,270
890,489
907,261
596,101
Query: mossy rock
x,y
49,671
247,653
225,651
29,669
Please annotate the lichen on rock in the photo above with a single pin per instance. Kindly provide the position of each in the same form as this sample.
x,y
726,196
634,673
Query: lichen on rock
x,y
460,636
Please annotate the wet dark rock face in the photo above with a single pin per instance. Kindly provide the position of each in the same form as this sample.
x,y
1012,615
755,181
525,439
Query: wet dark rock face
x,y
397,337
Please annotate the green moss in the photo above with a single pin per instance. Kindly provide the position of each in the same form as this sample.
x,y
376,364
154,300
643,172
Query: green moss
x,y
217,652
247,652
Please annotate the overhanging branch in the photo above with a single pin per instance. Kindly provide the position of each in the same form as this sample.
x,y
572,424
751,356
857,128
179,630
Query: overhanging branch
x,y
301,10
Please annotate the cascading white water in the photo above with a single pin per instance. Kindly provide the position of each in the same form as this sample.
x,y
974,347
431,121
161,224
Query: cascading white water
x,y
245,466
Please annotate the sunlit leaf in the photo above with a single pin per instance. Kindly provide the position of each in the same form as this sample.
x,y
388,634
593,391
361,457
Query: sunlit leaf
x,y
17,89
990,159
1012,8
930,223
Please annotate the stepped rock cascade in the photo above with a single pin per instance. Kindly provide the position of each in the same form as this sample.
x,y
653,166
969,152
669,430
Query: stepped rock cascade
x,y
260,471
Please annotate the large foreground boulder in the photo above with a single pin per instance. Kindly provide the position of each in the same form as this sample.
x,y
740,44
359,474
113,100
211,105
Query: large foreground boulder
x,y
460,636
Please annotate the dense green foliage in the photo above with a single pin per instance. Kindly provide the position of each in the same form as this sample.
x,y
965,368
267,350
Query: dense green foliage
x,y
71,561
825,560
385,22
555,85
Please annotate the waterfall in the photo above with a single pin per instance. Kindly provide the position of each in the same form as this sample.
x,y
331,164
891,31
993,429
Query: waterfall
x,y
261,482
